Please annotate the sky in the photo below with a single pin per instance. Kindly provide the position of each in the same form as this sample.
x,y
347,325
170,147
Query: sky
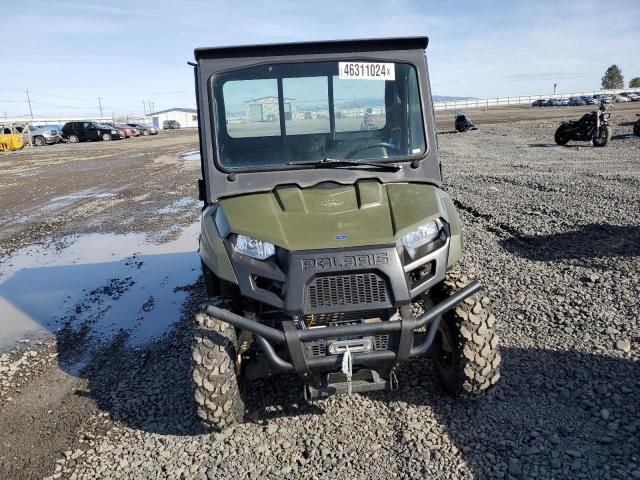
x,y
68,53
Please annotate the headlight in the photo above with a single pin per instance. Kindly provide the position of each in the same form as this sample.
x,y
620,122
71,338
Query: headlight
x,y
254,248
113,132
422,235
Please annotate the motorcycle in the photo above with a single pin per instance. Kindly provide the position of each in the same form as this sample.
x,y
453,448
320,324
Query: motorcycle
x,y
636,127
592,127
463,123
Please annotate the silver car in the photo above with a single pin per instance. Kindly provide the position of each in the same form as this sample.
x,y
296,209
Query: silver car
x,y
40,135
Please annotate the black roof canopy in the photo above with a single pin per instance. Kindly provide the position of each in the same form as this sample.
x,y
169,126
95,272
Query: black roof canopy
x,y
329,46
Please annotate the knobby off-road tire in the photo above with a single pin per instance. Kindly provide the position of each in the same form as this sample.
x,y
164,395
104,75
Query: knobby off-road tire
x,y
218,387
467,361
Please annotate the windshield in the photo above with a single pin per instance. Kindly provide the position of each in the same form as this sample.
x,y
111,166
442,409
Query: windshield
x,y
271,116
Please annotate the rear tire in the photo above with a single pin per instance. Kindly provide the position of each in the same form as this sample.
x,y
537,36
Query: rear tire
x,y
217,382
467,361
145,133
604,137
561,136
636,128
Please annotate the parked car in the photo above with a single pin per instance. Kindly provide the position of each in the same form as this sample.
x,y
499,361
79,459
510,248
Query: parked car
x,y
604,99
634,97
42,135
576,102
621,99
557,102
76,132
170,125
126,129
39,136
10,139
144,129
539,103
589,100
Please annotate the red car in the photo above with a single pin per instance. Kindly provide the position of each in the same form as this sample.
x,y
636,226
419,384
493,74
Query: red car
x,y
126,129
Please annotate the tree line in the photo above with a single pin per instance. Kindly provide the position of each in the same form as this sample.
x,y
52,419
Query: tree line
x,y
613,79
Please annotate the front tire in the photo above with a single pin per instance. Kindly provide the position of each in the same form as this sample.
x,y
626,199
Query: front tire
x,y
467,361
636,128
145,133
106,137
217,382
74,139
561,137
39,141
604,137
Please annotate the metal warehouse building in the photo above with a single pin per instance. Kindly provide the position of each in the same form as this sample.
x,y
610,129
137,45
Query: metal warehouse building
x,y
186,117
265,109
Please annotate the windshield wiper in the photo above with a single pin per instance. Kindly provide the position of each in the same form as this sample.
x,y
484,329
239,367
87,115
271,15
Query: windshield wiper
x,y
335,163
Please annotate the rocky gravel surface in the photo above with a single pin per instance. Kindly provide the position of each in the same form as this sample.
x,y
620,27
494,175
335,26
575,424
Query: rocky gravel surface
x,y
21,365
552,232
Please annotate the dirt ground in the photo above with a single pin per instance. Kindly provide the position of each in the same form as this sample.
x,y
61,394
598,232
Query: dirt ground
x,y
89,392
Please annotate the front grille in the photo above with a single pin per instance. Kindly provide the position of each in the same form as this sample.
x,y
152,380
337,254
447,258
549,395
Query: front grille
x,y
345,290
316,348
337,318
381,342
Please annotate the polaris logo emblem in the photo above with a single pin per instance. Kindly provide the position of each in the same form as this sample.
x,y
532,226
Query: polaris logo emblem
x,y
345,262
331,202
341,237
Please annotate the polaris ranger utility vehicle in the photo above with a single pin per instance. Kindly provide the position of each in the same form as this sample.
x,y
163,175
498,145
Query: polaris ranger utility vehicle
x,y
325,246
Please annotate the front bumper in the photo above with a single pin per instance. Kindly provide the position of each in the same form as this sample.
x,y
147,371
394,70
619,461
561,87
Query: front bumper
x,y
291,340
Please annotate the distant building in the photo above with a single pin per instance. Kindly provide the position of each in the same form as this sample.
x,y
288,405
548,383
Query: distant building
x,y
265,109
186,117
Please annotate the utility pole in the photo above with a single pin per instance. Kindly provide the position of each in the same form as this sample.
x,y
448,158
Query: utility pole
x,y
153,107
145,107
29,102
100,104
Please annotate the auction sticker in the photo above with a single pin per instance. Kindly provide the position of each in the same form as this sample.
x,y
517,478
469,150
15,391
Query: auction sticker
x,y
366,71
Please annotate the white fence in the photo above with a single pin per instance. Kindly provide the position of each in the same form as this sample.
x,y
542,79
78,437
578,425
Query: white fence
x,y
53,120
519,100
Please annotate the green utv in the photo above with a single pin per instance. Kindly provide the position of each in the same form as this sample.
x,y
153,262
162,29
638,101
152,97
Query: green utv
x,y
326,235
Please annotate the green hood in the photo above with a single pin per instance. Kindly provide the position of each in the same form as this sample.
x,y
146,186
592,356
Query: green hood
x,y
367,213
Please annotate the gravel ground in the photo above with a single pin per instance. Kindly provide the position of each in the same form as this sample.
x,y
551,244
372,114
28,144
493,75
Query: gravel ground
x,y
553,234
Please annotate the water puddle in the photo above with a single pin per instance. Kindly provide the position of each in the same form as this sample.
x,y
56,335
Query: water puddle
x,y
104,283
184,203
65,200
191,156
